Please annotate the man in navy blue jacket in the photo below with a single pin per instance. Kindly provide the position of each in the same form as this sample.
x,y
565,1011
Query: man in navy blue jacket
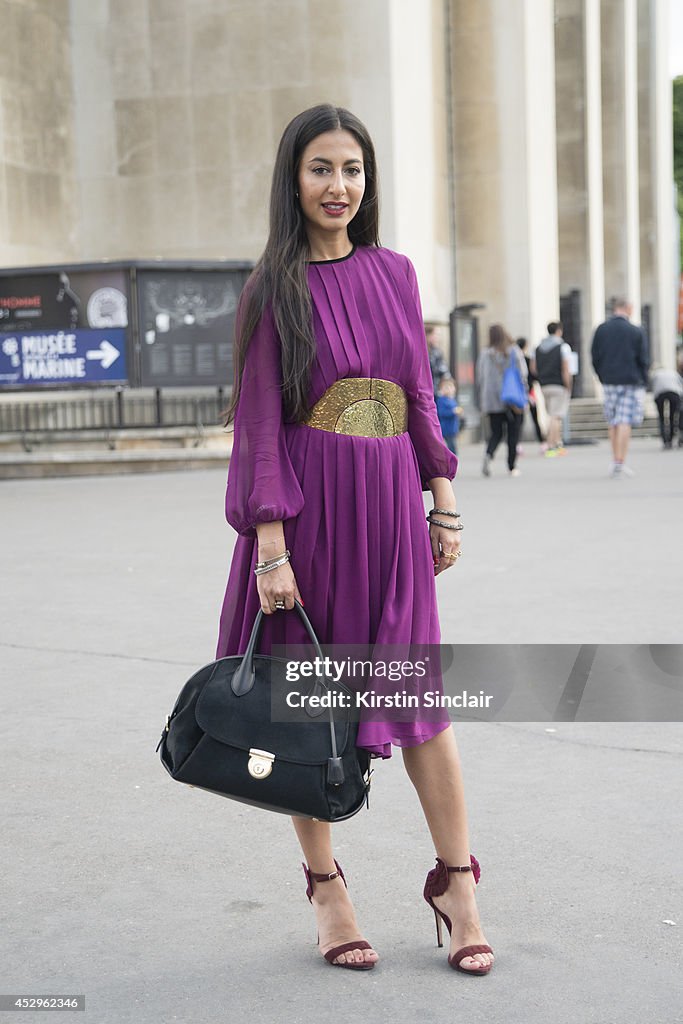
x,y
620,359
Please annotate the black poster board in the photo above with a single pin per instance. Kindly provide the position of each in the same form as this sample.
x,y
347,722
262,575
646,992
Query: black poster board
x,y
187,325
63,299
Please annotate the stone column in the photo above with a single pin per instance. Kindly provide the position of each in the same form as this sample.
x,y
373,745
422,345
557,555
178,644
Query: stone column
x,y
594,310
620,150
579,166
538,48
506,176
658,256
415,209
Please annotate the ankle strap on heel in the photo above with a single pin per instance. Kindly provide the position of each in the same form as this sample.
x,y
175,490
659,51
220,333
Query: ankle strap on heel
x,y
437,879
315,876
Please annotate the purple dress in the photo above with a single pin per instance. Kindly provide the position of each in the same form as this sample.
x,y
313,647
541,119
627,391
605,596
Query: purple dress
x,y
352,507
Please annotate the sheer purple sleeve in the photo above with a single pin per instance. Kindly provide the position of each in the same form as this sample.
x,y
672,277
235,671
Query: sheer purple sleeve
x,y
433,456
262,485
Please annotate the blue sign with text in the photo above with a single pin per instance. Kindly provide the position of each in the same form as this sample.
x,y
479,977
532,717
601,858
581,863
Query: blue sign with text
x,y
75,356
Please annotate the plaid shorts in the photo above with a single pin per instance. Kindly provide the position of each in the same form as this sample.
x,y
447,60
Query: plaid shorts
x,y
623,403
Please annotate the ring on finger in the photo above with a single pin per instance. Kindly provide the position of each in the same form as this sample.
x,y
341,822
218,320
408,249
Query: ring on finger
x,y
279,604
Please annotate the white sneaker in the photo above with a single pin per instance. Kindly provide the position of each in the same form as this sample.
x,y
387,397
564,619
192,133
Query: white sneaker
x,y
486,465
626,470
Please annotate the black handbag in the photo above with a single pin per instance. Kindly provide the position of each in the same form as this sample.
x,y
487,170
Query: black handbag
x,y
221,737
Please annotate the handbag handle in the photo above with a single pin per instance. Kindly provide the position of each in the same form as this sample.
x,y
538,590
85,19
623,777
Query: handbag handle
x,y
244,677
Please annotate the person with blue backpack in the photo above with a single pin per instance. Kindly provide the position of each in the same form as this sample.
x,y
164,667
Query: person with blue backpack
x,y
502,394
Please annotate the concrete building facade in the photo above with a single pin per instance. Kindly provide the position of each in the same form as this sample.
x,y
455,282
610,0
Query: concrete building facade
x,y
524,146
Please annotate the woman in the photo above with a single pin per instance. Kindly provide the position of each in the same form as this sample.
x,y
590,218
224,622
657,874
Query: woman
x,y
326,311
491,366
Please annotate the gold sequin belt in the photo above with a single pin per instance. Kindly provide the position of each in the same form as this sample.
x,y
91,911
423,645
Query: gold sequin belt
x,y
362,406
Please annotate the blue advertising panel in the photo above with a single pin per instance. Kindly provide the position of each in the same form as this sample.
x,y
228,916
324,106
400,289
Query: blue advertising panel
x,y
62,357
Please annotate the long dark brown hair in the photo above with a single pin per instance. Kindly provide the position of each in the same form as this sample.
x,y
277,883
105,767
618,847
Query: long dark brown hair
x,y
499,338
281,275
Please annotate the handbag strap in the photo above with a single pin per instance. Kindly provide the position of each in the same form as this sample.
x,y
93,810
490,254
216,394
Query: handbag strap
x,y
245,676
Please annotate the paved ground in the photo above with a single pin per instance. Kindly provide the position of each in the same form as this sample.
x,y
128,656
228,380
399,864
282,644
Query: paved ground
x,y
162,903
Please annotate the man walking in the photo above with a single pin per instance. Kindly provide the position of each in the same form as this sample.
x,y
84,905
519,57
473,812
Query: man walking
x,y
620,359
551,364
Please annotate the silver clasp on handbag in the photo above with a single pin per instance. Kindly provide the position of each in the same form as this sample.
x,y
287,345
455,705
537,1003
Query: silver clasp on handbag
x,y
260,763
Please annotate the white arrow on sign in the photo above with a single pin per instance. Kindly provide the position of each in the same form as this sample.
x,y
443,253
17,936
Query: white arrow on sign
x,y
106,352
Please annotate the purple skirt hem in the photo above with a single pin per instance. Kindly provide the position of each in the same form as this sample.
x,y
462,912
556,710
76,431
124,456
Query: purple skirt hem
x,y
377,748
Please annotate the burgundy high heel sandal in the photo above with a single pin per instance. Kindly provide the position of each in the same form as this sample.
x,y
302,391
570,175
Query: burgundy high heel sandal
x,y
345,947
436,885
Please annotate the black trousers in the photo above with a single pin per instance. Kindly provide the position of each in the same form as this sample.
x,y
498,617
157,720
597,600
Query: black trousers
x,y
508,422
669,409
533,409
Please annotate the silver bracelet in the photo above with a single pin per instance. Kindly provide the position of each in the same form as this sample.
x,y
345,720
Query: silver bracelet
x,y
445,512
282,560
446,526
268,561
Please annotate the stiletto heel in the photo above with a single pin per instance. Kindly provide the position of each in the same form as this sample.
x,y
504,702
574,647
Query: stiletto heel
x,y
437,919
345,947
436,885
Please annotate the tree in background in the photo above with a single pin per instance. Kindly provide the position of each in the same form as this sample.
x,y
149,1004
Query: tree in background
x,y
678,177
678,149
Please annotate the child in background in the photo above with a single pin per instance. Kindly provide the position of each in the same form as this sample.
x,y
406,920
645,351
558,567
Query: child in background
x,y
449,412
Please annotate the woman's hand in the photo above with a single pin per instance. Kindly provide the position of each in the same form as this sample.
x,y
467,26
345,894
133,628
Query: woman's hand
x,y
277,585
445,546
445,542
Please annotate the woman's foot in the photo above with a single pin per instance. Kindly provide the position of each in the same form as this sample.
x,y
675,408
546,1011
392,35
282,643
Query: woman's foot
x,y
458,902
337,922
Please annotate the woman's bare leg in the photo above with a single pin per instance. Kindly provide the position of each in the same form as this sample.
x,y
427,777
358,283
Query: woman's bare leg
x,y
434,769
333,908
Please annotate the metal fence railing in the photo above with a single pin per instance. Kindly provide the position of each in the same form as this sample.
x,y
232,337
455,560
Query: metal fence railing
x,y
119,411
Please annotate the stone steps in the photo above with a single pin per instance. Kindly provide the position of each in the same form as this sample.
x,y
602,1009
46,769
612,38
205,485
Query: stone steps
x,y
97,452
106,439
586,420
23,465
